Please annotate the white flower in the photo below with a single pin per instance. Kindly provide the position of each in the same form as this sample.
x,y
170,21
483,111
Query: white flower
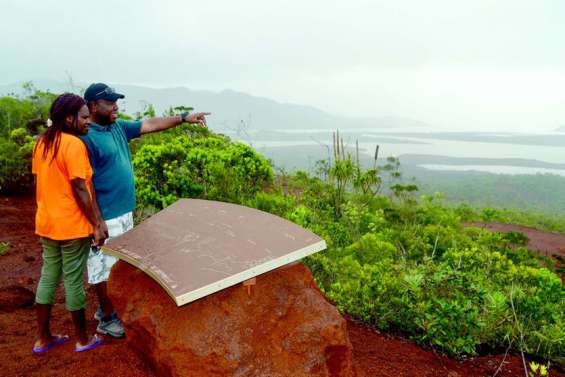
x,y
49,122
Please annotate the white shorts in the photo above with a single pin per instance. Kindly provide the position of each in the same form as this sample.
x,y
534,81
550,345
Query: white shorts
x,y
99,264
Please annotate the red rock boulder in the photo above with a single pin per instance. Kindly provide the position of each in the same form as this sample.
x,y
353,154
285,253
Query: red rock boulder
x,y
285,327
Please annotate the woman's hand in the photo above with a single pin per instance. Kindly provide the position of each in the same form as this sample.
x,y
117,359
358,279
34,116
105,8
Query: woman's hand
x,y
104,228
100,234
89,208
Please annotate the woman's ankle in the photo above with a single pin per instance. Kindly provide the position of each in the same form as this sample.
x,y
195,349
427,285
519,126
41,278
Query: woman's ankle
x,y
83,340
43,340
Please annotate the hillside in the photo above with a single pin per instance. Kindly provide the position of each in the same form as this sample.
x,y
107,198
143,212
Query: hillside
x,y
231,109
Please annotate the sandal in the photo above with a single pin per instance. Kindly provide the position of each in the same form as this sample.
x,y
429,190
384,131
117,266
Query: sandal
x,y
57,341
93,342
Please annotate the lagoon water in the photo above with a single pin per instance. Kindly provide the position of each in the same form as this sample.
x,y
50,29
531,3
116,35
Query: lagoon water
x,y
397,145
452,148
495,169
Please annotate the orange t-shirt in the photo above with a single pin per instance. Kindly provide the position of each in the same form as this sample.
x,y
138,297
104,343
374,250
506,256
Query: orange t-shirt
x,y
58,215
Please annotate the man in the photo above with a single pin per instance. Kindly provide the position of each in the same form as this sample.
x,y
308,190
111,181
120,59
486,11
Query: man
x,y
107,144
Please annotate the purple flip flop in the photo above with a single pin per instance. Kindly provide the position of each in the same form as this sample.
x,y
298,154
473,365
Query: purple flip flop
x,y
57,341
93,342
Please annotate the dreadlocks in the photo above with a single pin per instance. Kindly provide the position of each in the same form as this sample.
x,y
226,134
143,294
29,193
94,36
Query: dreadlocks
x,y
64,105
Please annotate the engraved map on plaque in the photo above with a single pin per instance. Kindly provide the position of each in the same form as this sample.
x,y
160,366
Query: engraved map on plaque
x,y
197,247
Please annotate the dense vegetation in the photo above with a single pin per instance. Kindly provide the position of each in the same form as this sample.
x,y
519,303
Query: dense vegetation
x,y
20,120
541,193
395,260
208,166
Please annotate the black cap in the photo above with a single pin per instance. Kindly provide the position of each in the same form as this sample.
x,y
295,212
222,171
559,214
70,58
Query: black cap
x,y
101,91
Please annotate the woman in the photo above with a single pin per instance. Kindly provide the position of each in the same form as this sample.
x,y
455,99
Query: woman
x,y
67,218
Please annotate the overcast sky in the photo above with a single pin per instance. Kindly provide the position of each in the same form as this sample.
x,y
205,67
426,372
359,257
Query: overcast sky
x,y
474,64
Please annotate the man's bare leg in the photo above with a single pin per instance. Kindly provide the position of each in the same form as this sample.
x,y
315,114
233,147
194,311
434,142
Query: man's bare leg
x,y
105,303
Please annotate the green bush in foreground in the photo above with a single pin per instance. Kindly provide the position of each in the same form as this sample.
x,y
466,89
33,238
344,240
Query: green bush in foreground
x,y
466,298
20,120
422,274
206,167
15,161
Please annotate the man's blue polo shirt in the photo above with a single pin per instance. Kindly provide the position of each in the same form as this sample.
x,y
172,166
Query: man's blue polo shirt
x,y
110,158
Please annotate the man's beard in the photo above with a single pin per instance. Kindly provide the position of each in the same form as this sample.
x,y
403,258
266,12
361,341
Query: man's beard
x,y
104,120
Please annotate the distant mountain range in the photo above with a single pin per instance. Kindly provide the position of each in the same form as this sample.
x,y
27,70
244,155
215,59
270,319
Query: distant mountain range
x,y
230,109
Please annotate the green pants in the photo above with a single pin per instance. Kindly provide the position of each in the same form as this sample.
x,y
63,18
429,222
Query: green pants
x,y
68,258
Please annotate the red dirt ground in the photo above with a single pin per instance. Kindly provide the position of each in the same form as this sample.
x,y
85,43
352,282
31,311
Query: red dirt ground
x,y
547,243
375,353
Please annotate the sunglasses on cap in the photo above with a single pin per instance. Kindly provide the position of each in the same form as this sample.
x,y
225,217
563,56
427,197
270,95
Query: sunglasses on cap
x,y
106,91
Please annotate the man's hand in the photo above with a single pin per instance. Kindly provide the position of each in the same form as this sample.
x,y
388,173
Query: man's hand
x,y
162,123
197,118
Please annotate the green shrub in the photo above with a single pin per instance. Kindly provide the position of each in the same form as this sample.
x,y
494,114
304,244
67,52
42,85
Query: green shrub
x,y
4,247
15,162
455,302
20,120
208,167
273,203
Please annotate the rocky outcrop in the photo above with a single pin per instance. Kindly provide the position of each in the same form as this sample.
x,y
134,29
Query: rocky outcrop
x,y
284,327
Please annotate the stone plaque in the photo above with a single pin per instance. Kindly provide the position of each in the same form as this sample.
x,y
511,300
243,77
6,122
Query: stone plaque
x,y
197,247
